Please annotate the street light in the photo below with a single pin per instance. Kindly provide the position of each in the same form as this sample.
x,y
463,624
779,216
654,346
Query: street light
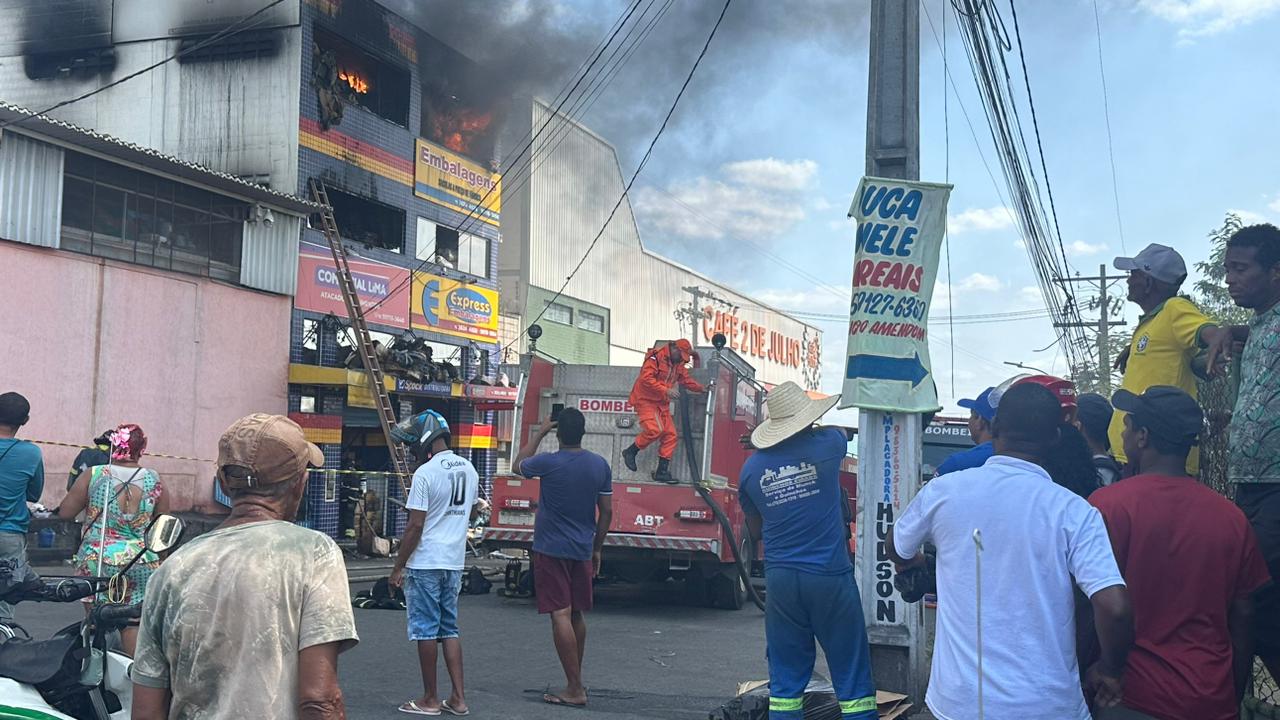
x,y
1025,367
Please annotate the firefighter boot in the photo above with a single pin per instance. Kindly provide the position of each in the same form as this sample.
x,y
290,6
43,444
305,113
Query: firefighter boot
x,y
629,457
663,473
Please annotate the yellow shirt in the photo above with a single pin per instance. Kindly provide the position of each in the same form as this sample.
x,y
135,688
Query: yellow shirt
x,y
1160,353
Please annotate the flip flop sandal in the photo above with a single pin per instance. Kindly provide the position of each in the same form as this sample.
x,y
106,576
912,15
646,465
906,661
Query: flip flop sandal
x,y
561,702
411,708
449,709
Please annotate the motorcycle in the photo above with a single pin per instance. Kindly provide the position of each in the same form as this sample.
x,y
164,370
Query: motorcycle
x,y
76,674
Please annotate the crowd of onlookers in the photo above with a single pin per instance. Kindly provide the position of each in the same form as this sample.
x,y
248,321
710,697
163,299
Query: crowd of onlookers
x,y
1112,580
1081,568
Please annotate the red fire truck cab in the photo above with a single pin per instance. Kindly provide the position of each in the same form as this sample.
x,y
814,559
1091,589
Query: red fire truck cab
x,y
659,531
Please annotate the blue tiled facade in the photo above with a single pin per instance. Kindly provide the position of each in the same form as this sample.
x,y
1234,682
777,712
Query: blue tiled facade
x,y
394,41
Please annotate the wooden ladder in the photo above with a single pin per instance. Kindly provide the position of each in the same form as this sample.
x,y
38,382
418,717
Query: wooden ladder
x,y
373,370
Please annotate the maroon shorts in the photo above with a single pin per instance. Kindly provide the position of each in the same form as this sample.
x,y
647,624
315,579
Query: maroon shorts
x,y
561,583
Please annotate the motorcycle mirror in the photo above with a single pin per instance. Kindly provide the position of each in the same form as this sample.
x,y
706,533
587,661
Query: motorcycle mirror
x,y
164,533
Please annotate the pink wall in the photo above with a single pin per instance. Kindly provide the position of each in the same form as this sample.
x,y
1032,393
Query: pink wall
x,y
93,343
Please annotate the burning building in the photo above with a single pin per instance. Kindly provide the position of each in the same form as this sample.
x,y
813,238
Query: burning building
x,y
343,91
407,133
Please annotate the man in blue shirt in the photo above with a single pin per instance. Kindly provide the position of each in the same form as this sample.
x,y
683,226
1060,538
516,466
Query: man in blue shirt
x,y
982,414
21,481
790,492
575,509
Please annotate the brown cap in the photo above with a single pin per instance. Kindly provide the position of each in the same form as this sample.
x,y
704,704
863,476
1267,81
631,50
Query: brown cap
x,y
272,447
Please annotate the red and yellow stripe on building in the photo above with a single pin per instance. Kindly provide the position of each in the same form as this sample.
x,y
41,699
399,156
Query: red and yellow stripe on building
x,y
475,436
320,429
361,154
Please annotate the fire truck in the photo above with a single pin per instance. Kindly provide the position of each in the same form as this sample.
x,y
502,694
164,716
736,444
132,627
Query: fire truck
x,y
687,531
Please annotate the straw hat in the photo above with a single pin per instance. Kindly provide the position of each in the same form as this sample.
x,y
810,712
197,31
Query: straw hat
x,y
789,410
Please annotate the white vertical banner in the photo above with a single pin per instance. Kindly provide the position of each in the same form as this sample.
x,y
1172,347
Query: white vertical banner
x,y
901,225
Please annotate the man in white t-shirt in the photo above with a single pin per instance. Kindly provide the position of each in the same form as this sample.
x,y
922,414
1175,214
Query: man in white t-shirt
x,y
442,503
1036,536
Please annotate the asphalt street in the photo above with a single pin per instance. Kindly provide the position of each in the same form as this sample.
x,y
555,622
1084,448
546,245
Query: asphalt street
x,y
649,655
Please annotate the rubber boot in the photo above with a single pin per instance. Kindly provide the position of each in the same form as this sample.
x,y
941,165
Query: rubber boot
x,y
663,473
629,457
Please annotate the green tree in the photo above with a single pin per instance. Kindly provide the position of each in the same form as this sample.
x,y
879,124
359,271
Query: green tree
x,y
1210,292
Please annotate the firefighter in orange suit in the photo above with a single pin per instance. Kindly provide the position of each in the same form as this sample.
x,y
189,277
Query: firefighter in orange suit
x,y
652,395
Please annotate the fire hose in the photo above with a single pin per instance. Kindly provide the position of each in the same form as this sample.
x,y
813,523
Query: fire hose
x,y
744,572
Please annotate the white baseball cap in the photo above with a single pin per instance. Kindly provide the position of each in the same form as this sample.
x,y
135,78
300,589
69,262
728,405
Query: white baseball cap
x,y
1159,261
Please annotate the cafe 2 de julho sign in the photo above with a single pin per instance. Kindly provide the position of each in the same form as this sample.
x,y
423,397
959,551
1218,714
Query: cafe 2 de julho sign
x,y
756,340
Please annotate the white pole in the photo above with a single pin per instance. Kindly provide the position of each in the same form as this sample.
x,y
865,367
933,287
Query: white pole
x,y
977,555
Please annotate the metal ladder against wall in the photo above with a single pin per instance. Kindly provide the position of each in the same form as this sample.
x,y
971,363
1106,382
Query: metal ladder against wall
x,y
373,370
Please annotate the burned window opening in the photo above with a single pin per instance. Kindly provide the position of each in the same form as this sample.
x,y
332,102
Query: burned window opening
x,y
461,102
344,75
367,222
69,64
240,46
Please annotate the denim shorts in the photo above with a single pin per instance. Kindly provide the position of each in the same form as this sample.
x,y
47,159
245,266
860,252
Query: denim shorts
x,y
431,598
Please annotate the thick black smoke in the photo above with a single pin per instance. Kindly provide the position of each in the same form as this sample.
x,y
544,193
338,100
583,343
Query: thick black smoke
x,y
536,46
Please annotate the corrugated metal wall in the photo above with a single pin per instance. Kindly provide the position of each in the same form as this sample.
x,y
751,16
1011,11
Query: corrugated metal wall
x,y
572,192
30,191
269,260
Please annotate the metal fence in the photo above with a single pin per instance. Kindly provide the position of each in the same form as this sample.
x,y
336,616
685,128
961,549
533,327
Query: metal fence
x,y
1218,398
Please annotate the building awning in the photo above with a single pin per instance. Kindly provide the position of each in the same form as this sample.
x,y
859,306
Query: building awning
x,y
14,118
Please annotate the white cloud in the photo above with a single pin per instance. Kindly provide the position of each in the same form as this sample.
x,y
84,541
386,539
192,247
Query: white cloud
x,y
980,282
1197,18
818,300
1249,217
1274,205
1080,247
772,173
980,219
821,204
1020,244
758,199
1031,294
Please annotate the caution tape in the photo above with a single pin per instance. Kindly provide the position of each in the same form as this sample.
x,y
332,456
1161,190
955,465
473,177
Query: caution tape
x,y
81,446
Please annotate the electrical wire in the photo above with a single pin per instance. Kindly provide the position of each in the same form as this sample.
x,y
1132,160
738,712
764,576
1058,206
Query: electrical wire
x,y
231,30
639,168
1106,111
946,233
986,43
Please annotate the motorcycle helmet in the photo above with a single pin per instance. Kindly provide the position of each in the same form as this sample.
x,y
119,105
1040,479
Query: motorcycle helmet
x,y
419,431
1063,390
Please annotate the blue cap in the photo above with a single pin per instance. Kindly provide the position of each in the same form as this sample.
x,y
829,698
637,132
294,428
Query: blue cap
x,y
981,405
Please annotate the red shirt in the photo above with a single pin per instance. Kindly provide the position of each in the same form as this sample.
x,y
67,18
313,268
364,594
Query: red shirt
x,y
1186,553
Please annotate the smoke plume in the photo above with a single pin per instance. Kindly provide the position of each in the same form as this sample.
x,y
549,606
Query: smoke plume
x,y
534,47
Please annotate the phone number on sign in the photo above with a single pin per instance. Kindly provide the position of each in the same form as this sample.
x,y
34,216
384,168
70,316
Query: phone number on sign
x,y
878,303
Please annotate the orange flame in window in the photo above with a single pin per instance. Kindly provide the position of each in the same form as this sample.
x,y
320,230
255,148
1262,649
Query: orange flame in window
x,y
356,82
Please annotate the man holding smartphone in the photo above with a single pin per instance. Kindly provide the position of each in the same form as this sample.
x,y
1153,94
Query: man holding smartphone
x,y
575,508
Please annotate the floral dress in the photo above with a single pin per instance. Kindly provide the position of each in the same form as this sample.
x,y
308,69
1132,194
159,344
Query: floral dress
x,y
113,538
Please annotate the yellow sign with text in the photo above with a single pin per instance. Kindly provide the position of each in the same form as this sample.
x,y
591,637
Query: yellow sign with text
x,y
454,308
451,180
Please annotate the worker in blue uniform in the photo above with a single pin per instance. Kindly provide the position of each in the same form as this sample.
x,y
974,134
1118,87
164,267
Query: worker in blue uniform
x,y
790,491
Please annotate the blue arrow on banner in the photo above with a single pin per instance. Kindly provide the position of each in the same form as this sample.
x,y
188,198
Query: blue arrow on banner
x,y
881,367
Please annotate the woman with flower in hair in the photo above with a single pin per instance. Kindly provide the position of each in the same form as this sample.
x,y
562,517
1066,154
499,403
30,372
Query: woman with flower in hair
x,y
119,499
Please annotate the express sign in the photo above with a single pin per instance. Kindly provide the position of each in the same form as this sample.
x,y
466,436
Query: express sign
x,y
613,406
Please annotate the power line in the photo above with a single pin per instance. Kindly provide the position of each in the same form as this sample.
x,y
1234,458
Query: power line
x,y
643,161
946,238
1035,124
1106,111
233,29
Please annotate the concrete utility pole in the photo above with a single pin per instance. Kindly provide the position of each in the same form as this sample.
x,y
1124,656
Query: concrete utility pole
x,y
1104,324
694,313
896,631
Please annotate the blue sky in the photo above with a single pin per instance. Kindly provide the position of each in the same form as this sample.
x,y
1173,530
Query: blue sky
x,y
769,146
